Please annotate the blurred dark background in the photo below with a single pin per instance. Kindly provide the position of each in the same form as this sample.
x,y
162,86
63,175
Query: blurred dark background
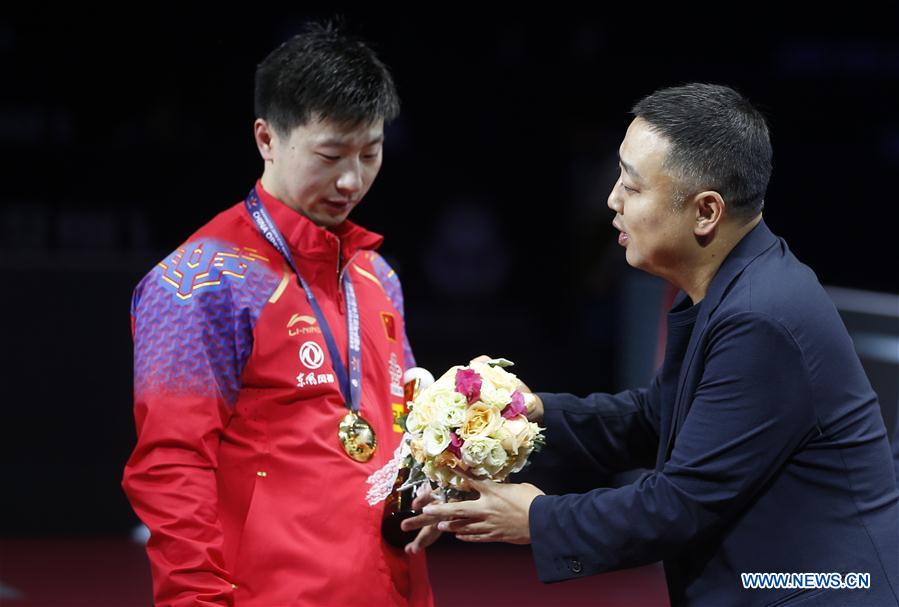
x,y
120,134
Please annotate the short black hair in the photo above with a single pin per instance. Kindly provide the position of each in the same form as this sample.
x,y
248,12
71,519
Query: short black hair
x,y
324,73
719,141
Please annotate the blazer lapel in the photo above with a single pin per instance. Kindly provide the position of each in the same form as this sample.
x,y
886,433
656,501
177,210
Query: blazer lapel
x,y
753,244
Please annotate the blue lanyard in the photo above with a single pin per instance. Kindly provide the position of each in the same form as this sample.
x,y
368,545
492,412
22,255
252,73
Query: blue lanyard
x,y
352,389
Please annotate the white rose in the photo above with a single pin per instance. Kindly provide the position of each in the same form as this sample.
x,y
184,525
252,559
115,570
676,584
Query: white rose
x,y
447,380
414,422
494,396
449,408
497,456
498,376
437,439
477,450
445,397
451,417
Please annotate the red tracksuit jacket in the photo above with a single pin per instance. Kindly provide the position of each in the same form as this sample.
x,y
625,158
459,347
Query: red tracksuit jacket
x,y
238,472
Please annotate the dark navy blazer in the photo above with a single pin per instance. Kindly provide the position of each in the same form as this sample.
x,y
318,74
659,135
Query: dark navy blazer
x,y
773,456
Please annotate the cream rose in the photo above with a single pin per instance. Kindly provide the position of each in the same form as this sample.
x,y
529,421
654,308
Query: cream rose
x,y
480,420
515,434
448,460
445,476
417,448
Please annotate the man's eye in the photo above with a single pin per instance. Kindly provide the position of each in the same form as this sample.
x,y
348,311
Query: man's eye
x,y
627,189
331,158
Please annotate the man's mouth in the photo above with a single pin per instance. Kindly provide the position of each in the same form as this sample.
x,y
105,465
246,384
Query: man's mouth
x,y
623,236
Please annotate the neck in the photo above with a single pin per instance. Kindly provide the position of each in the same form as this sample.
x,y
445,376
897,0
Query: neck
x,y
695,280
270,185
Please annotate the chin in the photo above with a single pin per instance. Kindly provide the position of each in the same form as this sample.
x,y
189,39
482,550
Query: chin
x,y
329,221
632,259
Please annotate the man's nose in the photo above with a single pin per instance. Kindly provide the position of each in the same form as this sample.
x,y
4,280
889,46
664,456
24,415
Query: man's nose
x,y
350,179
614,201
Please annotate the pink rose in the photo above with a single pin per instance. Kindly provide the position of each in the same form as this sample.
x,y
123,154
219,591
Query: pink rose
x,y
455,446
516,407
468,383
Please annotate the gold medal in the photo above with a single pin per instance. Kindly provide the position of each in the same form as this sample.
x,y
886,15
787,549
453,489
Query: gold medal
x,y
357,437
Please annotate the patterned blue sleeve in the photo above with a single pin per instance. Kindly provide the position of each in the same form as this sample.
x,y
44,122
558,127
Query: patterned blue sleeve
x,y
193,319
394,290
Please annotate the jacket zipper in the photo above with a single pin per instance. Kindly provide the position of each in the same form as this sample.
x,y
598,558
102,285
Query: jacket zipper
x,y
341,305
340,302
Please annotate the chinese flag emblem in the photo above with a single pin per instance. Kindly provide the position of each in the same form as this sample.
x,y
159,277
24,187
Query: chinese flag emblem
x,y
389,325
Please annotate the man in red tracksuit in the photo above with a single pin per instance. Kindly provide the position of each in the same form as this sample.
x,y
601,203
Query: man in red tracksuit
x,y
269,351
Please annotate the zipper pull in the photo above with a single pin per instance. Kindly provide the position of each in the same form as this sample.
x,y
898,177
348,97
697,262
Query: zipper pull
x,y
339,254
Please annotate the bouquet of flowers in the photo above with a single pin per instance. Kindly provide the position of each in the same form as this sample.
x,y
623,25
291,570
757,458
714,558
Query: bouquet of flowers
x,y
472,422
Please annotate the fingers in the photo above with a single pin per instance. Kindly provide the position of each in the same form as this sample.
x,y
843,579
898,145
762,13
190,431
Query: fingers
x,y
465,527
425,538
434,513
424,498
417,522
421,501
477,538
451,510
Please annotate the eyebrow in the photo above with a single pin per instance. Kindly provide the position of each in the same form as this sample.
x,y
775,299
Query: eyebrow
x,y
630,170
340,143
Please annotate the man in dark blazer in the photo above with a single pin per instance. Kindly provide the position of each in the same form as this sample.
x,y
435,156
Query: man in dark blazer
x,y
765,439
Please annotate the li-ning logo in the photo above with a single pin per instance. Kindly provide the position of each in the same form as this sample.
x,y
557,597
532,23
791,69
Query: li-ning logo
x,y
311,355
296,319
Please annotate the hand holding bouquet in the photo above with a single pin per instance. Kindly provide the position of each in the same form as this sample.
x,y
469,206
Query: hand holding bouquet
x,y
470,423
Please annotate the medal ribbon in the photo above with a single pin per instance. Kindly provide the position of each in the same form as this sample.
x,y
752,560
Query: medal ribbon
x,y
351,387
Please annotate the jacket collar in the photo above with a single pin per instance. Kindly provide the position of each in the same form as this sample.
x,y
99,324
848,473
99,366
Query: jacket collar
x,y
753,244
310,241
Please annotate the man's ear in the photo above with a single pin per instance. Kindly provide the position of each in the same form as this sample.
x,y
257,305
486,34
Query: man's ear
x,y
710,209
266,138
